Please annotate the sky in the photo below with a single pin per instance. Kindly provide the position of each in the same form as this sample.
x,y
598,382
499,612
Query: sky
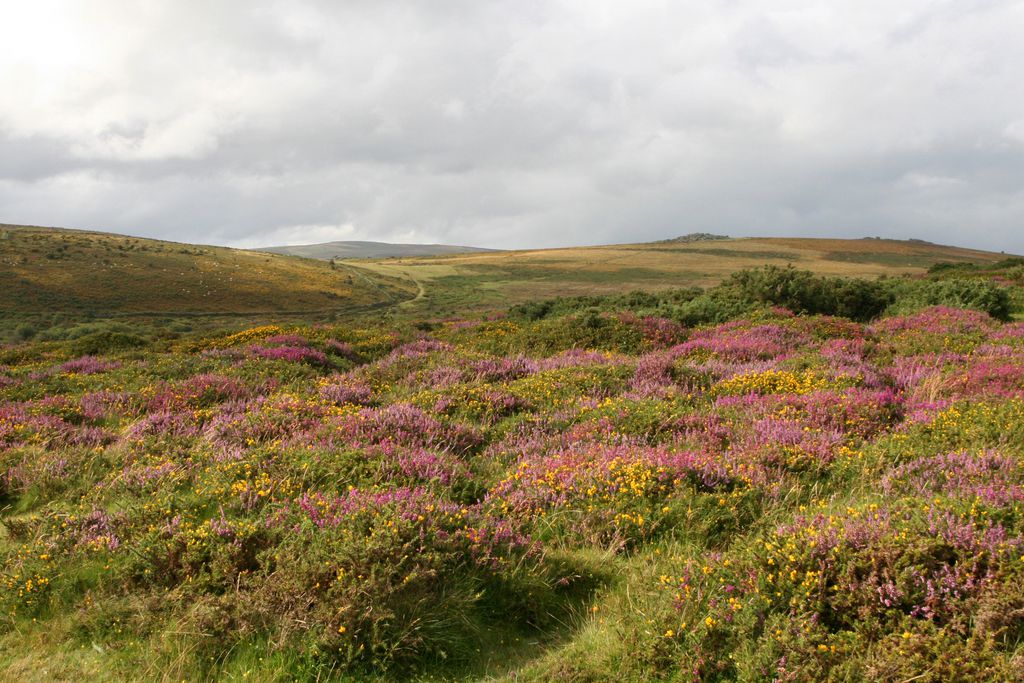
x,y
514,124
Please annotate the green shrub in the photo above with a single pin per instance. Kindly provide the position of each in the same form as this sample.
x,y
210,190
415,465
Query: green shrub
x,y
803,292
973,293
105,342
24,332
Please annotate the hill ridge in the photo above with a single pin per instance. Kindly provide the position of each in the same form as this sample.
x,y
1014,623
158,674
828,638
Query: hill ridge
x,y
347,249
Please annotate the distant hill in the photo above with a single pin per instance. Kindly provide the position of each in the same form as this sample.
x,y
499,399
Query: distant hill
x,y
348,249
456,284
76,273
692,237
55,270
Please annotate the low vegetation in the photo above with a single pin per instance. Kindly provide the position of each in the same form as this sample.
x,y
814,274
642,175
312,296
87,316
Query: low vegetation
x,y
800,291
787,476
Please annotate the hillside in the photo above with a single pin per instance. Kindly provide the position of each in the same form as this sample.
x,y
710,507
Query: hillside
x,y
53,279
349,249
453,284
51,270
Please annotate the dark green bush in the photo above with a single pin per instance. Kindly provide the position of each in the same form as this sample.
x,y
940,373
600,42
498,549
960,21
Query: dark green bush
x,y
105,342
710,308
803,292
973,293
24,332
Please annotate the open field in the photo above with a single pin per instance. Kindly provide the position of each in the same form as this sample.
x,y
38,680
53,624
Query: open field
x,y
455,284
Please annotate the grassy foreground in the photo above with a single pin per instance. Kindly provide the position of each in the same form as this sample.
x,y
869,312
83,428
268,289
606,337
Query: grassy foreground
x,y
583,491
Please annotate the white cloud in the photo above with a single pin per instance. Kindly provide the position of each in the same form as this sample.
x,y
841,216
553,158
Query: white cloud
x,y
1015,130
298,234
506,123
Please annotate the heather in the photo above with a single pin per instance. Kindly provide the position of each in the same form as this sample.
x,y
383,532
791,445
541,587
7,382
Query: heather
x,y
562,493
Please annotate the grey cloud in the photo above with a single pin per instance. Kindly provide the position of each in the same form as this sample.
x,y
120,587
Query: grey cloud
x,y
521,123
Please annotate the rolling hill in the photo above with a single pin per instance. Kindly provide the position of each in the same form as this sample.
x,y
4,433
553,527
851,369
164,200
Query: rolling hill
x,y
456,283
54,276
351,249
50,270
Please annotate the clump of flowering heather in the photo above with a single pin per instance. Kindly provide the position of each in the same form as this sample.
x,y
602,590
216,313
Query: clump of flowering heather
x,y
926,562
344,349
905,570
20,426
408,357
106,404
88,365
1011,334
404,424
853,411
662,374
290,354
197,392
421,465
740,341
410,365
342,389
280,420
503,369
656,332
575,358
989,478
935,320
164,424
922,370
934,330
990,377
611,493
441,377
765,446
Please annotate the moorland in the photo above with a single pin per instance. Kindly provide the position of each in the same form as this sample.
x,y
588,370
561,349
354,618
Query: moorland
x,y
714,460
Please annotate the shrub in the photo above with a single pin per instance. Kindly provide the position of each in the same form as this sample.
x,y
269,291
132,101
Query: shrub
x,y
99,343
802,292
24,332
979,295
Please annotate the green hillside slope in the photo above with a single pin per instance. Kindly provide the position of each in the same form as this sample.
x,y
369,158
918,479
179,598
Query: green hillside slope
x,y
48,270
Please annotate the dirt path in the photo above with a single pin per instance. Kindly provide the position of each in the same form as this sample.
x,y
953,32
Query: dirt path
x,y
421,290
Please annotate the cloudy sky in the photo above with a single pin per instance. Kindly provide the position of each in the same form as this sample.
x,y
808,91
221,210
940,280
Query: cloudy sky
x,y
514,124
